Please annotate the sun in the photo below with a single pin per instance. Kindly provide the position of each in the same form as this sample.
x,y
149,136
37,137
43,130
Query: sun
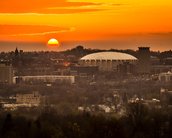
x,y
53,42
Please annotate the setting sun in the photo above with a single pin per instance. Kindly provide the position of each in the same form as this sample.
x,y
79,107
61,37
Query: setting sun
x,y
53,42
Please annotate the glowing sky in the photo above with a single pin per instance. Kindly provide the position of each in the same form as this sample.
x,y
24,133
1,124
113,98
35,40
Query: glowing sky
x,y
93,23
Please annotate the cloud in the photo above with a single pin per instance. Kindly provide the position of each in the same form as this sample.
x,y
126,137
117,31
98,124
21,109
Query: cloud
x,y
161,34
44,6
67,11
31,30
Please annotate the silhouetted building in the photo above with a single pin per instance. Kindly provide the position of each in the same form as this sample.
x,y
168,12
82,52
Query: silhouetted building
x,y
17,58
6,73
144,64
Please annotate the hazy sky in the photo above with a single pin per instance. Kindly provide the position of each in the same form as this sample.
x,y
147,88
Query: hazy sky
x,y
104,24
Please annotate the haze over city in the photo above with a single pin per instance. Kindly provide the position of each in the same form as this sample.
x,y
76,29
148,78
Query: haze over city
x,y
85,69
103,24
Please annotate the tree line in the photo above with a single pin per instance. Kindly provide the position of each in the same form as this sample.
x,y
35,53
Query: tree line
x,y
139,122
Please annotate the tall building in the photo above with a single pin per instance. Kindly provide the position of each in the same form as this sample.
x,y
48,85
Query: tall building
x,y
144,64
6,73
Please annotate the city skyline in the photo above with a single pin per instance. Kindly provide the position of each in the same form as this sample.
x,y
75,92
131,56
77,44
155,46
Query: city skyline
x,y
102,24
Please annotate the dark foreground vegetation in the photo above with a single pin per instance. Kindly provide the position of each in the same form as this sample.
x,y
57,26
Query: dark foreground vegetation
x,y
139,122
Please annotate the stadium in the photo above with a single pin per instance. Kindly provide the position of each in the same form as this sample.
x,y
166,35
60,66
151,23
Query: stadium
x,y
107,61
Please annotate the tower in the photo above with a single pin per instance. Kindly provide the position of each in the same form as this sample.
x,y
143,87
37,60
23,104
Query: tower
x,y
144,64
16,52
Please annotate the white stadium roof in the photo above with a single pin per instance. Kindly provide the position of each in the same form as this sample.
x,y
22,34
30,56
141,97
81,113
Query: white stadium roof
x,y
109,56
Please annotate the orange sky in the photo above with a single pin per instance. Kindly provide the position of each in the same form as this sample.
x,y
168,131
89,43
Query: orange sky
x,y
95,23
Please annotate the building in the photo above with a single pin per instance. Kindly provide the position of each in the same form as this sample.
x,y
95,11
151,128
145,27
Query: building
x,y
31,98
167,61
126,68
28,100
165,77
156,69
6,73
44,79
144,64
154,60
38,71
165,97
160,66
107,61
79,70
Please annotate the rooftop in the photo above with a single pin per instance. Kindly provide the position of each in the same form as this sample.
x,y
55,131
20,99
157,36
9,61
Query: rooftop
x,y
109,56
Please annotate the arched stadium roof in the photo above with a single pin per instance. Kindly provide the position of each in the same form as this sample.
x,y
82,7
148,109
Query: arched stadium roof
x,y
109,56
